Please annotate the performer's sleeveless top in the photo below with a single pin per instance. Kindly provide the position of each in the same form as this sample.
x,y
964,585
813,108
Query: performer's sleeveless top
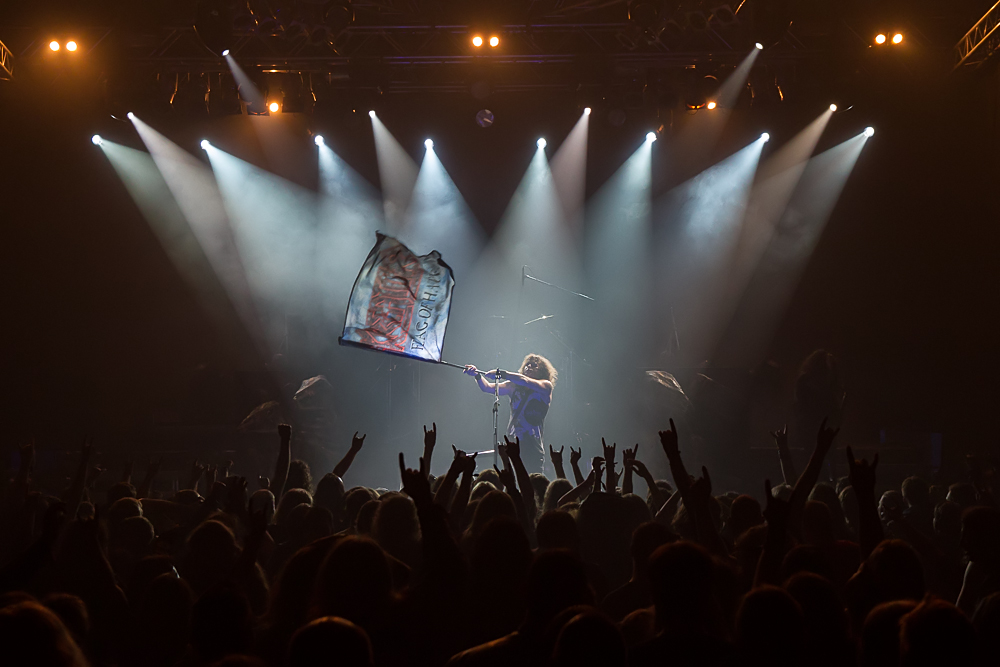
x,y
527,413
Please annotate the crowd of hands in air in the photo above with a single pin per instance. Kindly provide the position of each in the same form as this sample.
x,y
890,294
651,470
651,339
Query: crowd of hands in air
x,y
500,567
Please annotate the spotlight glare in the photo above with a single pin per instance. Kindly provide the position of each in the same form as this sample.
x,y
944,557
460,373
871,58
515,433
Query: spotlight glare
x,y
274,106
833,107
318,139
880,38
71,45
711,105
54,45
869,131
765,137
97,140
371,113
897,38
541,143
130,115
225,52
651,136
428,144
494,41
205,144
759,46
586,111
477,41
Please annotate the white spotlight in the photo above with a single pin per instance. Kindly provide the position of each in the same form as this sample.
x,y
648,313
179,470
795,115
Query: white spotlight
x,y
869,131
833,107
541,143
97,140
651,136
131,116
205,144
371,113
428,144
759,46
225,53
318,139
586,112
765,137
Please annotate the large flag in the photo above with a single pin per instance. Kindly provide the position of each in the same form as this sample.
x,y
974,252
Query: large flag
x,y
400,302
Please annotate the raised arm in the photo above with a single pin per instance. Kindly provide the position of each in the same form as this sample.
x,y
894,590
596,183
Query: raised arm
x,y
580,490
484,385
628,456
284,460
145,488
807,480
776,512
443,495
461,501
659,497
529,383
557,460
862,479
574,461
668,439
523,478
609,460
788,472
430,440
356,444
74,496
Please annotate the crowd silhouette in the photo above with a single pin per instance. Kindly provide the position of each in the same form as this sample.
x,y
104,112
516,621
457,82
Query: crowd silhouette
x,y
501,567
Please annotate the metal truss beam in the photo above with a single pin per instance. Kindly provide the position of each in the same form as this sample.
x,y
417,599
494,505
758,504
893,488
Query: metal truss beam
x,y
6,63
981,41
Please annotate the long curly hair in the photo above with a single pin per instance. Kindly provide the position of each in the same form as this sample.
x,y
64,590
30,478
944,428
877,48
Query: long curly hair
x,y
546,367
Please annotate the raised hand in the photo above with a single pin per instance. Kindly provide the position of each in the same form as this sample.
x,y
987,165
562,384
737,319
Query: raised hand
x,y
513,448
860,474
507,478
597,465
263,482
575,455
415,483
640,469
824,439
430,437
668,439
701,488
471,370
628,455
557,457
197,470
781,438
236,496
609,461
776,510
357,443
285,432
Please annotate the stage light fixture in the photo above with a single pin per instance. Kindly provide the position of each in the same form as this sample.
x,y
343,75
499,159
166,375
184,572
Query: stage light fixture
x,y
97,140
711,105
586,111
205,144
371,114
428,144
765,137
541,143
477,41
880,38
225,52
273,107
494,41
651,136
54,45
833,107
318,140
71,45
130,115
869,131
897,38
759,46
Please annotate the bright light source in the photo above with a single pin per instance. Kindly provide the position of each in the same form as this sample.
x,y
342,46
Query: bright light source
x,y
428,144
711,105
205,144
541,143
225,52
54,45
71,45
586,111
880,38
765,137
97,140
371,113
274,106
477,41
318,139
651,136
759,46
833,107
897,38
130,115
869,131
494,41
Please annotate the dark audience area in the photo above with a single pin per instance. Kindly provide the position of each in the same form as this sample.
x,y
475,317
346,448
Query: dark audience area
x,y
489,566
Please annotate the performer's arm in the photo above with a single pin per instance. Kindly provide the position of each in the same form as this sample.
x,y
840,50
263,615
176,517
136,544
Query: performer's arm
x,y
530,383
487,387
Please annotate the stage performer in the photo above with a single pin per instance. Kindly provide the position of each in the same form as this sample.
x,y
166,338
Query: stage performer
x,y
530,391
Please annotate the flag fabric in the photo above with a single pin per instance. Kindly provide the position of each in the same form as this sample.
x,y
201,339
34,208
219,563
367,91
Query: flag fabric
x,y
400,302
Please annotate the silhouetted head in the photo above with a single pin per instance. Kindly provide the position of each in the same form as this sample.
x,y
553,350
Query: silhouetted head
x,y
556,489
539,483
897,572
964,494
556,580
646,539
948,519
744,513
557,530
354,500
589,639
849,503
330,494
916,492
682,577
330,640
163,616
292,499
72,611
221,624
494,504
981,535
188,497
936,633
748,548
396,527
489,475
827,624
770,629
667,490
817,524
299,476
121,509
880,635
890,505
354,582
502,555
212,540
262,500
366,517
136,535
986,621
119,491
32,635
637,508
481,489
806,558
